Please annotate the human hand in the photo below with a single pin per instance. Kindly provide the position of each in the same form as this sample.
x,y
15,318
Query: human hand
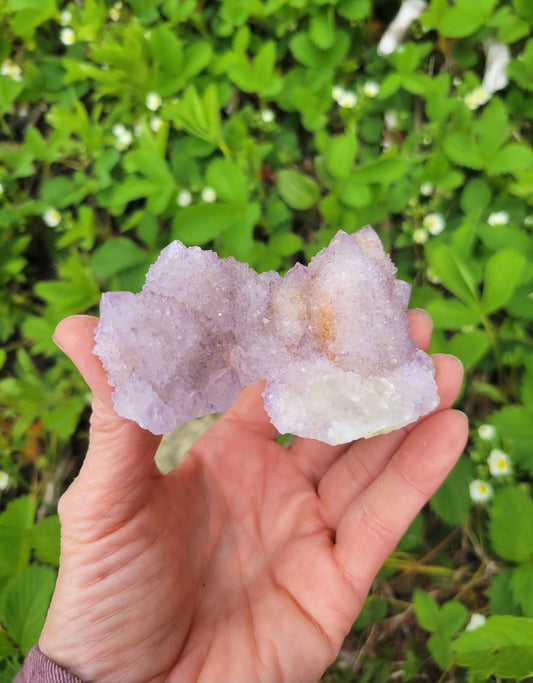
x,y
248,562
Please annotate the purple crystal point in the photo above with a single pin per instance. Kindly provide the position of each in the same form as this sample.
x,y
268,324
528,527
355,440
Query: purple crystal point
x,y
331,339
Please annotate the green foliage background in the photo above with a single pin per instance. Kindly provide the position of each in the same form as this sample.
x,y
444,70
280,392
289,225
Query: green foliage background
x,y
93,183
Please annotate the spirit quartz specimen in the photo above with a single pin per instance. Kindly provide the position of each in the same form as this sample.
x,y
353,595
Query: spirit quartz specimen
x,y
330,339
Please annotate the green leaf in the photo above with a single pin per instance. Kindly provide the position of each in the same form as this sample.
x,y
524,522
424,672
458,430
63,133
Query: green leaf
x,y
513,158
45,539
308,54
238,239
510,528
167,49
341,155
493,128
29,14
526,385
452,500
468,346
500,595
116,255
502,274
476,196
322,27
524,8
299,191
384,170
521,583
426,610
450,314
465,17
353,193
202,223
515,424
15,524
285,244
197,57
510,27
228,180
502,646
24,604
452,616
355,10
453,273
257,75
200,115
463,150
9,91
374,610
77,292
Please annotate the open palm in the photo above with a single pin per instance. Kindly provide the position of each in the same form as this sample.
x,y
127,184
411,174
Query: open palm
x,y
248,562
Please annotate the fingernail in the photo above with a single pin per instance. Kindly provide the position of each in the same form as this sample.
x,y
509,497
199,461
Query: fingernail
x,y
425,314
459,363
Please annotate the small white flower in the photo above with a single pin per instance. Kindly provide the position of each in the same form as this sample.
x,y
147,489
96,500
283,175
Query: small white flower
x,y
486,432
267,115
426,189
156,123
480,491
123,136
434,222
153,101
23,111
119,129
114,12
65,17
11,70
52,217
1,189
209,195
420,236
67,36
4,480
337,92
528,221
499,463
498,218
476,98
476,620
432,276
371,88
184,198
409,11
391,120
347,100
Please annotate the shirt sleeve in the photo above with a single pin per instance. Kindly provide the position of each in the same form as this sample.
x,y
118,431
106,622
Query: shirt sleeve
x,y
38,668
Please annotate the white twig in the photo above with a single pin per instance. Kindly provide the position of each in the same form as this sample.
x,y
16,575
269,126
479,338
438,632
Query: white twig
x,y
408,12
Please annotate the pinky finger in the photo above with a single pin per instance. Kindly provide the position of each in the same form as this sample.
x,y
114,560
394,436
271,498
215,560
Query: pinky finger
x,y
377,519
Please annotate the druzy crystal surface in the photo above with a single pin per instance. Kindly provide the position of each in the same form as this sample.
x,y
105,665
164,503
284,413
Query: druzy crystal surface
x,y
331,339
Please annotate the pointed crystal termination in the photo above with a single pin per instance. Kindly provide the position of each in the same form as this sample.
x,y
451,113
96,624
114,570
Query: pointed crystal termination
x,y
331,339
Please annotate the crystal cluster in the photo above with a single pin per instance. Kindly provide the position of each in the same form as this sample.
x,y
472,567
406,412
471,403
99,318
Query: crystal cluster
x,y
330,339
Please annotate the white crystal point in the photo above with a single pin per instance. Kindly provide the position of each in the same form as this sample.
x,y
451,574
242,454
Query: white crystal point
x,y
331,339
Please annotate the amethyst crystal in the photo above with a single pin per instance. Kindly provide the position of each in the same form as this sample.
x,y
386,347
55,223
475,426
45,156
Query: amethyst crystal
x,y
331,339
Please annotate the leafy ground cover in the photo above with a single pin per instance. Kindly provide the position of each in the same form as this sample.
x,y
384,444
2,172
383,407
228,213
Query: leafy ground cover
x,y
258,128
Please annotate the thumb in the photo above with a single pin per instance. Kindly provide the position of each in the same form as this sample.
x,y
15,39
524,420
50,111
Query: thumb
x,y
120,453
